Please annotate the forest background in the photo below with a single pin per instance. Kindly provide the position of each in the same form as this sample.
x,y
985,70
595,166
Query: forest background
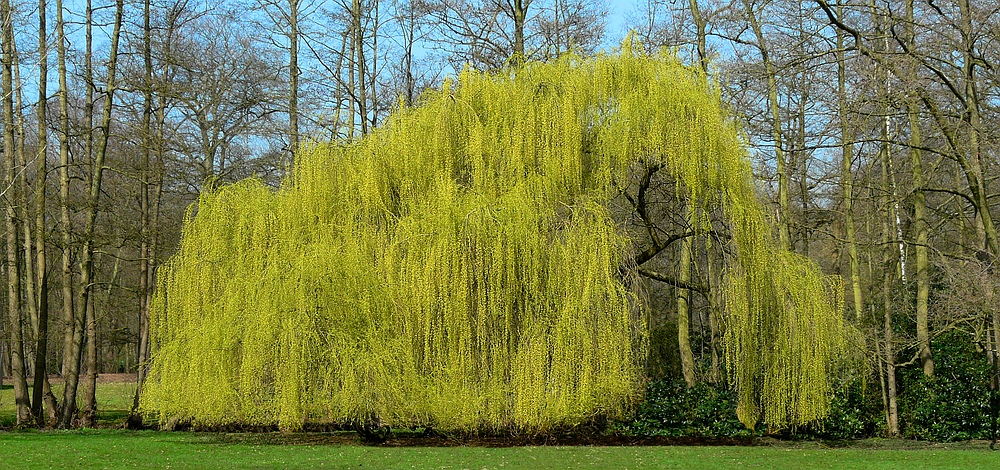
x,y
871,126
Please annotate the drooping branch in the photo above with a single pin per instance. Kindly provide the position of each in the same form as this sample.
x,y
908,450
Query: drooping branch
x,y
656,275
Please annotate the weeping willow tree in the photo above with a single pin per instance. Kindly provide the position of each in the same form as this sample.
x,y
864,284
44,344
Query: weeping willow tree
x,y
459,267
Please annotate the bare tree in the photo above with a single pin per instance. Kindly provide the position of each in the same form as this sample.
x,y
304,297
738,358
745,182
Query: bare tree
x,y
87,254
41,170
226,90
489,34
22,401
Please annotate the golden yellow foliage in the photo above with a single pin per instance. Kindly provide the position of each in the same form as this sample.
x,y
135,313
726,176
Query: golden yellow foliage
x,y
458,268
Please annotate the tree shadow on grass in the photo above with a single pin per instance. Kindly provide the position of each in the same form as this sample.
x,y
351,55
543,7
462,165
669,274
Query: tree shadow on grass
x,y
421,438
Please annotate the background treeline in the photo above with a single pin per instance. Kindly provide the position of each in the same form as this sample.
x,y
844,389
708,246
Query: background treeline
x,y
871,125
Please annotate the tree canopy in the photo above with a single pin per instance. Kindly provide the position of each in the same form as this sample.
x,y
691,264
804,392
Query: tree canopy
x,y
460,267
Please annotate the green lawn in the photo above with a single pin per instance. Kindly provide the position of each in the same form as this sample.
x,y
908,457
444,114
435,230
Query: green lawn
x,y
108,448
149,449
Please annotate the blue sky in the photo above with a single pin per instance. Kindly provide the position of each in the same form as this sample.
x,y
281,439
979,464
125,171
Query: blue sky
x,y
617,11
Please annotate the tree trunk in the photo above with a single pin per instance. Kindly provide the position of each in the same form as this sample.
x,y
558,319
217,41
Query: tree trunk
x,y
700,35
847,175
22,401
518,10
784,234
293,74
151,256
359,49
970,57
64,137
803,173
684,304
73,307
715,303
890,265
42,305
373,70
408,56
28,277
88,417
351,92
28,240
135,419
920,225
993,355
87,263
701,43
892,413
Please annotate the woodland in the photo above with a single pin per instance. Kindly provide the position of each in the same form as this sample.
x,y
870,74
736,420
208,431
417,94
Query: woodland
x,y
713,218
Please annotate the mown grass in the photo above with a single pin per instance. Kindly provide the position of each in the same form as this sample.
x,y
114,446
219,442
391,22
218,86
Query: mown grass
x,y
110,448
152,449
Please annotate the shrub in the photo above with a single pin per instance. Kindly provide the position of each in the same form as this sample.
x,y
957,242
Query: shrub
x,y
705,410
953,405
671,409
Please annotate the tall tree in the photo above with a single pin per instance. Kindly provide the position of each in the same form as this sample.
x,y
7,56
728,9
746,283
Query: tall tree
x,y
87,254
847,135
360,66
293,75
73,306
71,321
145,211
224,92
22,401
485,271
284,19
920,224
890,266
684,266
41,171
490,34
774,108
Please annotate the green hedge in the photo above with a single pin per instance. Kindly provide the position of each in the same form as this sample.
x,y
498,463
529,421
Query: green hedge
x,y
954,405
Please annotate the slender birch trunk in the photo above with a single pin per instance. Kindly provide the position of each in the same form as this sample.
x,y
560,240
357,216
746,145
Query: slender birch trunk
x,y
890,265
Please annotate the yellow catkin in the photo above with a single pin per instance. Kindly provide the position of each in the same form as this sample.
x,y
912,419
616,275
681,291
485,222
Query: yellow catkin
x,y
459,267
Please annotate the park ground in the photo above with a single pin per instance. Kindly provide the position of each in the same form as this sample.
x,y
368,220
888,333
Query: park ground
x,y
114,448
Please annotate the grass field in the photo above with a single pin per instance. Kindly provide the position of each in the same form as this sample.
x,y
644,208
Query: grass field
x,y
150,449
110,448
